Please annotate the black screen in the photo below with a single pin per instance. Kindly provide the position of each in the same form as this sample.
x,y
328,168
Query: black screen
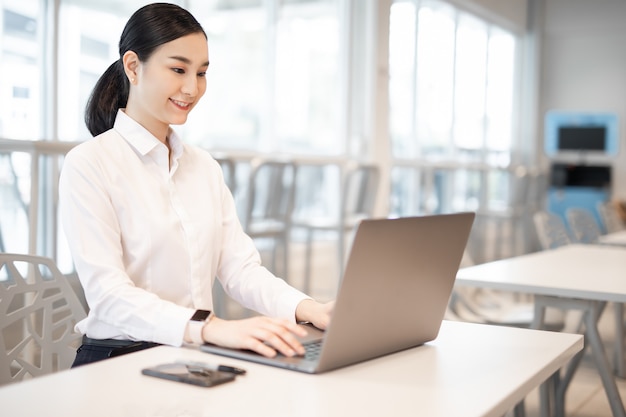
x,y
587,138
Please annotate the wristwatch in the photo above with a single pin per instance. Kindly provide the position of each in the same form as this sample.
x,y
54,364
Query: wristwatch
x,y
196,323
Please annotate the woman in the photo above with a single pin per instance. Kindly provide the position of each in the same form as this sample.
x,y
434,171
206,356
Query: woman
x,y
149,220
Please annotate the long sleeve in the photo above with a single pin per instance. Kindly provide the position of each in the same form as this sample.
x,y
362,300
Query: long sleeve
x,y
149,232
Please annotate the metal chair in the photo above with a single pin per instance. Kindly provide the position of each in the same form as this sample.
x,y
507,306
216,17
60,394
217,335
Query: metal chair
x,y
39,310
357,200
229,169
495,307
269,204
508,217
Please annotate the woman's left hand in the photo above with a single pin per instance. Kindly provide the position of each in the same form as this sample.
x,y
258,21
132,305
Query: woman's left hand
x,y
318,314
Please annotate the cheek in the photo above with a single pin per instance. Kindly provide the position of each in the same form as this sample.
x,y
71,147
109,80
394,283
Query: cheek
x,y
201,89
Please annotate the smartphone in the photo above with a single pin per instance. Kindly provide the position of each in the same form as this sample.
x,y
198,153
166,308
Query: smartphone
x,y
193,375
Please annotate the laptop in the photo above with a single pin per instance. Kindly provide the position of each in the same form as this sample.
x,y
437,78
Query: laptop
x,y
393,294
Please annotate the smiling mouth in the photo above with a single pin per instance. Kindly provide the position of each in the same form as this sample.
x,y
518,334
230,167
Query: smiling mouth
x,y
181,104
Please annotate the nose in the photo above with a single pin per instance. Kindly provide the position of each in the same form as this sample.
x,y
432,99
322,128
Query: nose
x,y
190,86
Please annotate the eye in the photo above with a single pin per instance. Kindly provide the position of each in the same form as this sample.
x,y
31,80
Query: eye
x,y
202,74
178,70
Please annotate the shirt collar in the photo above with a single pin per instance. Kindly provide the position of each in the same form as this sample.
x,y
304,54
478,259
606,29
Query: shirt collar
x,y
141,139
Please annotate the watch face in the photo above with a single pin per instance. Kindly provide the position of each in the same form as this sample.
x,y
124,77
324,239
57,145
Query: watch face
x,y
201,315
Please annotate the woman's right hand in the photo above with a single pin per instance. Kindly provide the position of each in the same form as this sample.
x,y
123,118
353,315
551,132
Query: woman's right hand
x,y
263,335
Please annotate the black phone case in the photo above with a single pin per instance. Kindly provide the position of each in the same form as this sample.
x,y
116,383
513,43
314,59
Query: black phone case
x,y
180,373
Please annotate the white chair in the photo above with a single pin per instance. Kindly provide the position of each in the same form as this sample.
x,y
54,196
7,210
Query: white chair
x,y
551,230
583,225
39,310
356,202
610,217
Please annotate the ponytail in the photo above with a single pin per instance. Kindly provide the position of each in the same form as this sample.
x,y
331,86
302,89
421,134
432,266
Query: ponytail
x,y
109,95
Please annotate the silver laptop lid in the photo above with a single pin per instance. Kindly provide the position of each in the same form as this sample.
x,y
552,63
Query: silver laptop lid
x,y
396,286
394,292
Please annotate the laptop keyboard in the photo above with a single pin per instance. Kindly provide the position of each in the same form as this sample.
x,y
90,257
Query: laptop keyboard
x,y
312,350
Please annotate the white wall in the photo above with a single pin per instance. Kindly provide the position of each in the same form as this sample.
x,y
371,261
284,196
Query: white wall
x,y
583,65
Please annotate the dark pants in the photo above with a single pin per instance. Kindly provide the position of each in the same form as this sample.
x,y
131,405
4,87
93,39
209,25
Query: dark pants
x,y
94,350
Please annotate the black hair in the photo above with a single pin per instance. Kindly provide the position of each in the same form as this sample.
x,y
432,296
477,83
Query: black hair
x,y
148,28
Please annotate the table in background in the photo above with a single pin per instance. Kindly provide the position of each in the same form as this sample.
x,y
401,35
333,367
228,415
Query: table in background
x,y
615,238
470,370
581,277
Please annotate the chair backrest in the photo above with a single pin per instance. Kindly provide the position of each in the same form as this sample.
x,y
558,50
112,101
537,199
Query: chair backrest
x,y
610,217
583,225
39,310
360,189
551,230
270,195
229,170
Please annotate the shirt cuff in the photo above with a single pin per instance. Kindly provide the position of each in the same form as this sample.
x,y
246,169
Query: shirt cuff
x,y
171,327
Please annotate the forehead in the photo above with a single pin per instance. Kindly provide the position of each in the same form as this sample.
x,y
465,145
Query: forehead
x,y
193,48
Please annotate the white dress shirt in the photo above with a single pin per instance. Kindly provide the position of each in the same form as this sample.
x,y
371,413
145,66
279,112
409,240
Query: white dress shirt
x,y
149,232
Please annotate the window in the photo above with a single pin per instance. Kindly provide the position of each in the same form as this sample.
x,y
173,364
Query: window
x,y
231,113
274,80
452,91
20,74
452,83
89,33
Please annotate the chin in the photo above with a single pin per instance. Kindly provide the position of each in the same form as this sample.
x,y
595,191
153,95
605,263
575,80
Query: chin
x,y
179,120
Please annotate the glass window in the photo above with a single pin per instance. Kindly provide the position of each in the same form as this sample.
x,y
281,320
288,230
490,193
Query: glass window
x,y
452,79
274,78
21,31
20,74
232,111
500,90
307,94
402,80
470,80
89,33
451,94
435,78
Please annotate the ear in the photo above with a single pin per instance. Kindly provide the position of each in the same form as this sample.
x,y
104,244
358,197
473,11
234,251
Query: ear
x,y
130,60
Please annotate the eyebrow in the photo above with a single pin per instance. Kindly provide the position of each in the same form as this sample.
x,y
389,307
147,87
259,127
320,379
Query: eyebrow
x,y
187,60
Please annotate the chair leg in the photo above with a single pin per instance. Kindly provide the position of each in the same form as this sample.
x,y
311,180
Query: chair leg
x,y
286,257
306,287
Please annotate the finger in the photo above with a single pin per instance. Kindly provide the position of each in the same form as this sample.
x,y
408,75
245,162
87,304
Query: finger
x,y
281,339
261,348
284,336
287,344
280,325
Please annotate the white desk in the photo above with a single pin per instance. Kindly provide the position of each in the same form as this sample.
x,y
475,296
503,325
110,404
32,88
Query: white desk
x,y
574,276
469,370
615,238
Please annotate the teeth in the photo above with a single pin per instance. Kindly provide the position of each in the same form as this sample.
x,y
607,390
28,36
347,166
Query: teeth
x,y
181,103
